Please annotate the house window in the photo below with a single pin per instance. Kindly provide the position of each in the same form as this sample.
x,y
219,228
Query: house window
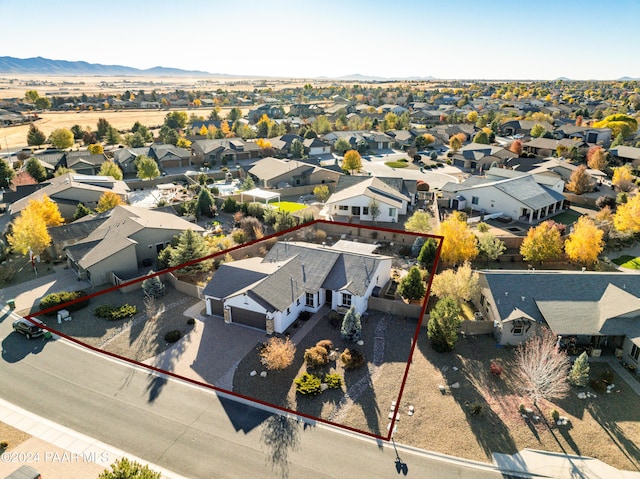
x,y
346,299
309,300
343,208
635,352
298,181
365,210
475,200
355,210
517,330
392,212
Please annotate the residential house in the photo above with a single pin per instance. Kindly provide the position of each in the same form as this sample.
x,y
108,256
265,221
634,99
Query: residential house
x,y
270,293
83,162
600,310
316,147
395,109
272,111
225,150
276,173
625,154
600,136
547,146
479,157
130,238
167,156
306,110
362,140
522,127
70,189
282,144
355,196
522,197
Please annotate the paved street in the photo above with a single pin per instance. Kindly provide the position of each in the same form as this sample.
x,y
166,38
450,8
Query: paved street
x,y
189,430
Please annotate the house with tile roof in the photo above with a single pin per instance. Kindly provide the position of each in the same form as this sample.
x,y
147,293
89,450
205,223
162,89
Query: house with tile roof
x,y
131,237
601,310
520,197
270,293
354,196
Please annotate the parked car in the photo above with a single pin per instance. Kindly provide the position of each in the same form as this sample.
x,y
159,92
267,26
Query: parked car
x,y
28,327
24,472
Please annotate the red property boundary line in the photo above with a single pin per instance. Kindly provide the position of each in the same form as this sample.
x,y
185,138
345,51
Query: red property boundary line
x,y
440,240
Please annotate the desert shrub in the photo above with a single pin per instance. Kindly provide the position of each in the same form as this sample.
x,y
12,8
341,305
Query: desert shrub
x,y
321,235
521,408
124,311
277,353
316,356
607,376
598,385
352,358
4,445
496,368
153,287
555,415
335,318
230,205
326,344
404,250
333,381
238,236
308,384
172,336
55,299
103,311
191,321
475,408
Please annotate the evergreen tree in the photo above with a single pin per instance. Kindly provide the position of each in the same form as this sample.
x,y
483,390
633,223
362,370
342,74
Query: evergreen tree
x,y
579,375
204,203
190,247
444,322
36,170
412,287
6,173
351,329
153,287
109,168
35,137
81,211
417,246
126,469
297,149
427,255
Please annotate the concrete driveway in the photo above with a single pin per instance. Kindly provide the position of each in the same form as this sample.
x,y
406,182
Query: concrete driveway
x,y
211,352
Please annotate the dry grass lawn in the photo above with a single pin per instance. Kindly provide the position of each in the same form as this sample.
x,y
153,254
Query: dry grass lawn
x,y
12,436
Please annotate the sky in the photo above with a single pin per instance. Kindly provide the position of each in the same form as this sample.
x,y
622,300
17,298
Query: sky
x,y
456,39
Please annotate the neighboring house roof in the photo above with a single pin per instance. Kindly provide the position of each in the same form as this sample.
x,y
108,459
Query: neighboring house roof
x,y
571,302
291,268
627,152
373,188
113,235
234,144
547,178
63,184
552,144
272,168
524,189
406,187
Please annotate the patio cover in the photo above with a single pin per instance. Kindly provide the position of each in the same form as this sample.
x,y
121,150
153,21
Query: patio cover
x,y
261,194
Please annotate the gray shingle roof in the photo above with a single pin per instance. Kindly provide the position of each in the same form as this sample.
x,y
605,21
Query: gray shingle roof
x,y
526,190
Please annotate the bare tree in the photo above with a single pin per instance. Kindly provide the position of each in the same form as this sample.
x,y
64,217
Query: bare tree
x,y
542,369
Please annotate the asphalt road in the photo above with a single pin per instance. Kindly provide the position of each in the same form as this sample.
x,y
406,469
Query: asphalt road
x,y
190,430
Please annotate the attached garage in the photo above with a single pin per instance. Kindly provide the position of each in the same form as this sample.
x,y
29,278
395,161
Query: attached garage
x,y
215,306
248,318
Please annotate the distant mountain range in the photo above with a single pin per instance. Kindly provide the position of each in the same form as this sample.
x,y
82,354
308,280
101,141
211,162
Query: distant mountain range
x,y
45,66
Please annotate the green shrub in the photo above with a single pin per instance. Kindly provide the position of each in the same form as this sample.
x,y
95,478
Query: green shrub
x,y
172,336
191,321
308,384
124,311
56,299
326,344
352,358
333,381
521,408
316,356
4,445
598,385
103,311
476,409
555,415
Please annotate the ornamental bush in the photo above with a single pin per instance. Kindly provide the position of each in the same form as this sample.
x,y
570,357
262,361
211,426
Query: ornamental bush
x,y
326,344
55,299
172,336
308,384
316,356
107,311
352,358
333,381
277,353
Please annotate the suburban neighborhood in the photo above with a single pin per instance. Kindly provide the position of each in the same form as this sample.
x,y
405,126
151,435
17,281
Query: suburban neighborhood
x,y
230,276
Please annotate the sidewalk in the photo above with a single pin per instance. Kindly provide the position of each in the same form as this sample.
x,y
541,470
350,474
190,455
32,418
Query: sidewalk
x,y
58,452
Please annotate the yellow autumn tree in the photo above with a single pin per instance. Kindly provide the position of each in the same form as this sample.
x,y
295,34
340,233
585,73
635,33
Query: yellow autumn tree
x,y
352,161
542,243
203,131
597,158
460,244
29,232
47,209
585,243
623,177
107,201
627,216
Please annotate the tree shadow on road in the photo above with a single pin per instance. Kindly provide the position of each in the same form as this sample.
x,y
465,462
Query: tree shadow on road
x,y
280,435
